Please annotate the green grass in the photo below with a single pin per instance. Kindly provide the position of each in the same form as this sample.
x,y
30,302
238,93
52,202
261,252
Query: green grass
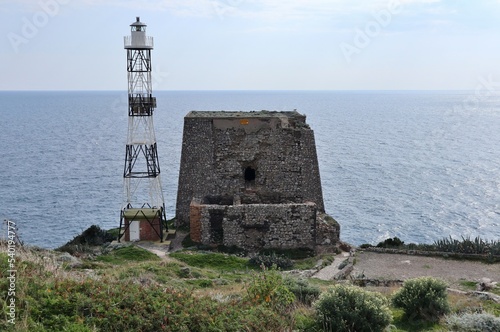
x,y
128,254
216,261
492,307
469,285
135,290
113,232
309,263
401,324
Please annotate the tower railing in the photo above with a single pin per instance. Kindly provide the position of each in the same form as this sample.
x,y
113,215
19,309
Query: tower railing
x,y
141,105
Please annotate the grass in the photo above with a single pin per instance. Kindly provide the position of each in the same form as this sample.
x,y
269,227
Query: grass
x,y
215,261
401,324
127,254
468,285
311,262
132,289
114,232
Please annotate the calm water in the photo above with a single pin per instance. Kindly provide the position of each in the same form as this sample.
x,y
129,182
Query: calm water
x,y
417,165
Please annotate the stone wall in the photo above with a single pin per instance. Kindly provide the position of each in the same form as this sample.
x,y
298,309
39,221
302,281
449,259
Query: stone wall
x,y
256,226
263,157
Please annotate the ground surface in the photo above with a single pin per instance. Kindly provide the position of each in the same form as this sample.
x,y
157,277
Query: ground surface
x,y
383,266
401,267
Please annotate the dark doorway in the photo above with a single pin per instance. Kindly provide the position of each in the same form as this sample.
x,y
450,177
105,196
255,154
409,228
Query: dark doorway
x,y
249,174
216,229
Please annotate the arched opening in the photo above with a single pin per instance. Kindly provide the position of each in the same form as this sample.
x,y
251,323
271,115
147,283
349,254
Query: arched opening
x,y
249,174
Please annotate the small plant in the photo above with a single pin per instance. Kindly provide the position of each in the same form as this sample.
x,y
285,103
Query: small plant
x,y
344,263
268,288
473,322
273,259
468,246
422,298
304,292
350,308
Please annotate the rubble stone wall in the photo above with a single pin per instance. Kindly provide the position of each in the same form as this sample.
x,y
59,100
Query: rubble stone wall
x,y
263,157
257,226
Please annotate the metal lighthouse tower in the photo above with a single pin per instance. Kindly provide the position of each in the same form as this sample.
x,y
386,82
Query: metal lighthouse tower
x,y
142,215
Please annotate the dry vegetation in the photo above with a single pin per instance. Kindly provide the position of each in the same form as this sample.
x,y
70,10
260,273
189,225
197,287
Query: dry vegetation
x,y
131,289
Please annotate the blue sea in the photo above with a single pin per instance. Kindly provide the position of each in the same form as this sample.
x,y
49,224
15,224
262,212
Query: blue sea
x,y
417,165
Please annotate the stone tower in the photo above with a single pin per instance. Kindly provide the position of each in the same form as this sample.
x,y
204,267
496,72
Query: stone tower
x,y
249,179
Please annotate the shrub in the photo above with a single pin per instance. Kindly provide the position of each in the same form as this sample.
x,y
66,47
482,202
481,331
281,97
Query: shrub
x,y
93,236
280,261
391,243
268,288
111,305
304,292
350,308
422,298
473,322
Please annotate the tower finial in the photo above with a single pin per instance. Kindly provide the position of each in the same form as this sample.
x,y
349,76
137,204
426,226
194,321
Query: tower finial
x,y
137,19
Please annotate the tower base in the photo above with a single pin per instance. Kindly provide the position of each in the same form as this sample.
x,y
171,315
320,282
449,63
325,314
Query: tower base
x,y
141,224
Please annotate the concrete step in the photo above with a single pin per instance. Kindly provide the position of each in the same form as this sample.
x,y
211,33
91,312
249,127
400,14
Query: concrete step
x,y
171,234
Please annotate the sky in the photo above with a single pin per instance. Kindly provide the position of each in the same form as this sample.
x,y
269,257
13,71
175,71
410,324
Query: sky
x,y
253,44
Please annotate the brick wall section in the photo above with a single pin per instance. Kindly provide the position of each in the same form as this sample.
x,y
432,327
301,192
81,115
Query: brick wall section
x,y
218,146
146,231
195,221
261,226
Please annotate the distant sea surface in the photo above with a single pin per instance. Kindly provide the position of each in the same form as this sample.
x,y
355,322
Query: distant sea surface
x,y
417,165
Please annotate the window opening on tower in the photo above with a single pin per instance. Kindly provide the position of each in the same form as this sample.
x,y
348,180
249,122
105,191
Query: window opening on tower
x,y
249,174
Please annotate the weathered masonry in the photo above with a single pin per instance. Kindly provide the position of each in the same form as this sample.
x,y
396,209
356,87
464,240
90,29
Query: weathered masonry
x,y
251,180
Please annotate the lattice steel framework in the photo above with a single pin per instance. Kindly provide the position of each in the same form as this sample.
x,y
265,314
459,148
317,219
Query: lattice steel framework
x,y
141,173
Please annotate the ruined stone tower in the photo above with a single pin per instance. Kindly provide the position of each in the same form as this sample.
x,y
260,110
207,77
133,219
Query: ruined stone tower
x,y
250,179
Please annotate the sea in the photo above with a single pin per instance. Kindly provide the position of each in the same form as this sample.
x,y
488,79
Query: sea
x,y
417,165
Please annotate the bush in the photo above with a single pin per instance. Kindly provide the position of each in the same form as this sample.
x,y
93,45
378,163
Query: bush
x,y
391,243
268,288
280,261
304,292
422,298
351,308
473,323
112,305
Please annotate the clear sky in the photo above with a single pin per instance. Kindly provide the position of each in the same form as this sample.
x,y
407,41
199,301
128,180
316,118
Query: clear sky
x,y
253,44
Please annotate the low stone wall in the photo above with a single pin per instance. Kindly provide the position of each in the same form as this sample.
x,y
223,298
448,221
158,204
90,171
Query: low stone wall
x,y
255,226
444,254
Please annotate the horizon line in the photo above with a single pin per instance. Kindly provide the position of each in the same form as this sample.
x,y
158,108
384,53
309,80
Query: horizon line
x,y
245,90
